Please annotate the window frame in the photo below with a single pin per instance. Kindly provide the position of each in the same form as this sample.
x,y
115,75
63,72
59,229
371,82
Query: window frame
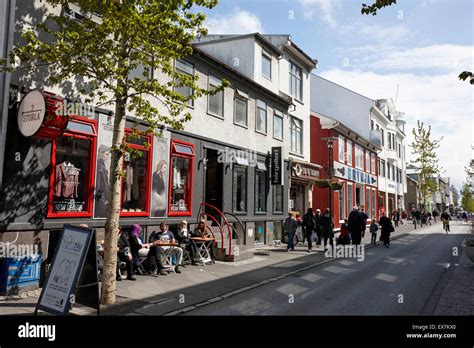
x,y
190,103
280,116
209,85
257,108
149,149
342,207
239,97
90,180
297,78
341,144
292,118
265,193
234,166
174,142
349,152
275,211
268,57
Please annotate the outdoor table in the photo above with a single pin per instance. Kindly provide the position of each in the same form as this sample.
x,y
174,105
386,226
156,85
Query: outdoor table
x,y
203,246
168,262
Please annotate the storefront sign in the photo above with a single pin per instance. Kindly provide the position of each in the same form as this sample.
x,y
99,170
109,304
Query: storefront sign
x,y
359,176
277,165
31,113
65,270
304,171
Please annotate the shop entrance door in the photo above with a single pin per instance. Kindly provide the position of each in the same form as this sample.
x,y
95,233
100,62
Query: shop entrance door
x,y
213,183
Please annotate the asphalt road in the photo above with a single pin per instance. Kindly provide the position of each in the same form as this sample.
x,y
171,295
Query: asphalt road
x,y
394,281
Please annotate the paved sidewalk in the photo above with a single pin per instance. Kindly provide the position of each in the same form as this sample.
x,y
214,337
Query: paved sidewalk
x,y
198,285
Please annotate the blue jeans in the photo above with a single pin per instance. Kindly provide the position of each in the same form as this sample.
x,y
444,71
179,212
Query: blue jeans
x,y
291,237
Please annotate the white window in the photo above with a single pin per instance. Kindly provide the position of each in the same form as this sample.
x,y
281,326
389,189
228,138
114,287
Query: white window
x,y
342,205
341,148
359,157
296,134
349,152
367,161
349,196
267,66
278,126
215,102
261,117
240,110
183,67
372,163
296,81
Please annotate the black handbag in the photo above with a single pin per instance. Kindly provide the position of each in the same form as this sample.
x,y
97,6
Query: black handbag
x,y
391,228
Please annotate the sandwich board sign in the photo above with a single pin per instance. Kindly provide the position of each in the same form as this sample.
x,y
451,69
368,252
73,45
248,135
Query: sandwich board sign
x,y
76,248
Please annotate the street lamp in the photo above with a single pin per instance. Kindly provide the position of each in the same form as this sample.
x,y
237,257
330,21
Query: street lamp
x,y
330,142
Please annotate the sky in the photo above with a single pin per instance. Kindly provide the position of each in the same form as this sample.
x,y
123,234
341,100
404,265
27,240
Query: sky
x,y
417,47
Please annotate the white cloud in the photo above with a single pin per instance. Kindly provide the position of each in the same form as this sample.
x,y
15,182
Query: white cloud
x,y
237,22
327,9
441,101
385,34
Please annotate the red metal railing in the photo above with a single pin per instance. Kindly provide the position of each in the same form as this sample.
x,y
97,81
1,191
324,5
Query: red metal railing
x,y
203,204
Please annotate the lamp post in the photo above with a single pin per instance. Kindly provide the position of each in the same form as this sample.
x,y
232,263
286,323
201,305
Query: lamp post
x,y
330,143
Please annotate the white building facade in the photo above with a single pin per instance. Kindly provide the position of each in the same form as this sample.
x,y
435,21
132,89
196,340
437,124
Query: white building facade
x,y
392,184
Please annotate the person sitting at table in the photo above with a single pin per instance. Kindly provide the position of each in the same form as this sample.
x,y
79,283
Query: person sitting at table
x,y
164,236
183,236
150,250
124,254
201,231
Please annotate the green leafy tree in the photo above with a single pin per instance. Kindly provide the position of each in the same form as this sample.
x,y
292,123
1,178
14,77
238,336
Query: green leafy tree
x,y
467,201
379,4
424,149
106,47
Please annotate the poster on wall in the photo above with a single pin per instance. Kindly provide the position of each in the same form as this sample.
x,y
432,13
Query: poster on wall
x,y
160,175
105,137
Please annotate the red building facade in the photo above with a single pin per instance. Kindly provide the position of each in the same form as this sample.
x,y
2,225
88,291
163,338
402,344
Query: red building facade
x,y
354,165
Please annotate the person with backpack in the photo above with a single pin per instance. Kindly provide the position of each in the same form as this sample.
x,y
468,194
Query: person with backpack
x,y
373,232
386,227
344,235
309,224
355,223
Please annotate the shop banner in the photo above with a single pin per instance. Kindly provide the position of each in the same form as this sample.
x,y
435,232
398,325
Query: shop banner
x,y
359,176
159,187
105,137
277,166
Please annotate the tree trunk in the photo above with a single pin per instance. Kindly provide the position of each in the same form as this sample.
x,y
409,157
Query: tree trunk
x,y
113,213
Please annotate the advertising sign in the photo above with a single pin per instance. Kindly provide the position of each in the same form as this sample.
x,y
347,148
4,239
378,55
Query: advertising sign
x,y
359,176
159,188
65,270
277,166
31,113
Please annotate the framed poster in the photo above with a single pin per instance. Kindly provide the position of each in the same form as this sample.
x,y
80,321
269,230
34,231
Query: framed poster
x,y
67,265
160,176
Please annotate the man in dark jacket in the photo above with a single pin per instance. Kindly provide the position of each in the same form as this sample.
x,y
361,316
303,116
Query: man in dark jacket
x,y
317,226
309,224
356,222
327,226
290,227
124,254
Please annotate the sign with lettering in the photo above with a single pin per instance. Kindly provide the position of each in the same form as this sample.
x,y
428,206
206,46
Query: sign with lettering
x,y
277,165
359,176
67,265
304,171
31,113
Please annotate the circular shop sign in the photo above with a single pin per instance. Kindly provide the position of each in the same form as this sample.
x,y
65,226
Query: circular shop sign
x,y
31,113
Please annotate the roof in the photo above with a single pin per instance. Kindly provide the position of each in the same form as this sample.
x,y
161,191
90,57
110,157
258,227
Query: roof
x,y
280,97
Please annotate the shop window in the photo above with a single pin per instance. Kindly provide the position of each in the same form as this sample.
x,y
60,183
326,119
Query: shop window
x,y
260,232
260,191
181,182
350,202
136,179
72,170
277,231
277,198
367,203
239,189
261,117
278,126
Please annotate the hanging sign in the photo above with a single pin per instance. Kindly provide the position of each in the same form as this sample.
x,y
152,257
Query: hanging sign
x,y
277,166
31,113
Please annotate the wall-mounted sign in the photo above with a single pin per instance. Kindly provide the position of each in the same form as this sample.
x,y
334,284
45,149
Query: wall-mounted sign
x,y
31,113
304,171
359,176
277,166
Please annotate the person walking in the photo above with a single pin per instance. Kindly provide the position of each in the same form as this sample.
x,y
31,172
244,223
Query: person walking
x,y
373,232
344,236
365,217
318,228
355,222
413,217
435,215
386,227
299,235
290,227
404,218
327,226
308,226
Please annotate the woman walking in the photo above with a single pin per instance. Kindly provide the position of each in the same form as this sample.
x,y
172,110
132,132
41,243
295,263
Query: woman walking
x,y
327,225
387,227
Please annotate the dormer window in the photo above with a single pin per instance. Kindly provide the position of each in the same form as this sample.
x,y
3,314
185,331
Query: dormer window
x,y
266,65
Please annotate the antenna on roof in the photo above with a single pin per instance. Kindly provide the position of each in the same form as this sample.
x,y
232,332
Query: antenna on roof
x,y
396,97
